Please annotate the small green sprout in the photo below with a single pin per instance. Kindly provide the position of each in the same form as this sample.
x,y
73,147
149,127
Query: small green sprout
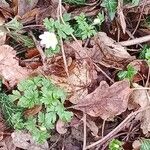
x,y
115,145
127,74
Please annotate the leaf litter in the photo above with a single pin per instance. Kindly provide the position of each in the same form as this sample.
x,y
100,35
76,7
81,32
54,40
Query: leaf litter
x,y
88,90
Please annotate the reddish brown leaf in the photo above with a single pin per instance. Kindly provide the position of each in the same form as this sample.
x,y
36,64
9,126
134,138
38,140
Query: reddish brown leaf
x,y
33,111
106,101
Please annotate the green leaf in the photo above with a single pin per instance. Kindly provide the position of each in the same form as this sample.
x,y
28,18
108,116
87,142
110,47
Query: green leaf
x,y
75,2
17,120
49,24
129,74
24,39
41,117
66,116
115,145
14,24
30,124
147,54
16,95
50,119
67,17
135,2
145,144
111,6
40,136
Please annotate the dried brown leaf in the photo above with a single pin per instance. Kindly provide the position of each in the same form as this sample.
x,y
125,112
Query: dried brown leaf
x,y
108,52
23,6
9,67
7,144
106,101
80,76
140,98
25,141
60,127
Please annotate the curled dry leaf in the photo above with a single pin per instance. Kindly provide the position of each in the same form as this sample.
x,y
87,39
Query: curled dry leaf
x,y
106,101
25,141
10,70
140,98
108,52
60,127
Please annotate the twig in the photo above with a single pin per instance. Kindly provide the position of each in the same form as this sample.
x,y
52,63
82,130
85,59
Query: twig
x,y
103,127
61,41
84,124
136,41
39,48
99,69
139,17
117,129
148,76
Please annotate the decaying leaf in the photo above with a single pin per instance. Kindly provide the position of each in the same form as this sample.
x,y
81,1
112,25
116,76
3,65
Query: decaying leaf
x,y
7,144
23,6
108,52
106,101
80,77
25,141
140,98
60,127
10,70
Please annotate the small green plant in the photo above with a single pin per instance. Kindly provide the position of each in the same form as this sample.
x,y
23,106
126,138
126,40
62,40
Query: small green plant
x,y
62,31
127,74
111,6
133,2
75,2
115,145
84,29
145,144
37,91
15,28
145,54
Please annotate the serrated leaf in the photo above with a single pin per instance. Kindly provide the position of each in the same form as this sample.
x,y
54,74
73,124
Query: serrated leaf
x,y
111,6
14,24
49,24
67,17
135,2
145,144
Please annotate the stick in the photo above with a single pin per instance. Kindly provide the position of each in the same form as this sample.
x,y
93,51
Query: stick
x,y
117,129
136,41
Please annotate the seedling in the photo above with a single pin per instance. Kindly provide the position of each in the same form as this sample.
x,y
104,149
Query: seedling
x,y
127,74
37,91
115,145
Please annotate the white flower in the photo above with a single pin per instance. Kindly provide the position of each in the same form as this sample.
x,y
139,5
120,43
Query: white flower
x,y
48,39
96,21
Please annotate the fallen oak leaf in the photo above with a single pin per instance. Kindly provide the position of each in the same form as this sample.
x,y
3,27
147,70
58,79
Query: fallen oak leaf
x,y
10,70
105,101
108,52
25,141
140,98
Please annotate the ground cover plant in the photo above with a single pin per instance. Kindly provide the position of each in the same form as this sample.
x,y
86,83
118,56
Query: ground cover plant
x,y
74,74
